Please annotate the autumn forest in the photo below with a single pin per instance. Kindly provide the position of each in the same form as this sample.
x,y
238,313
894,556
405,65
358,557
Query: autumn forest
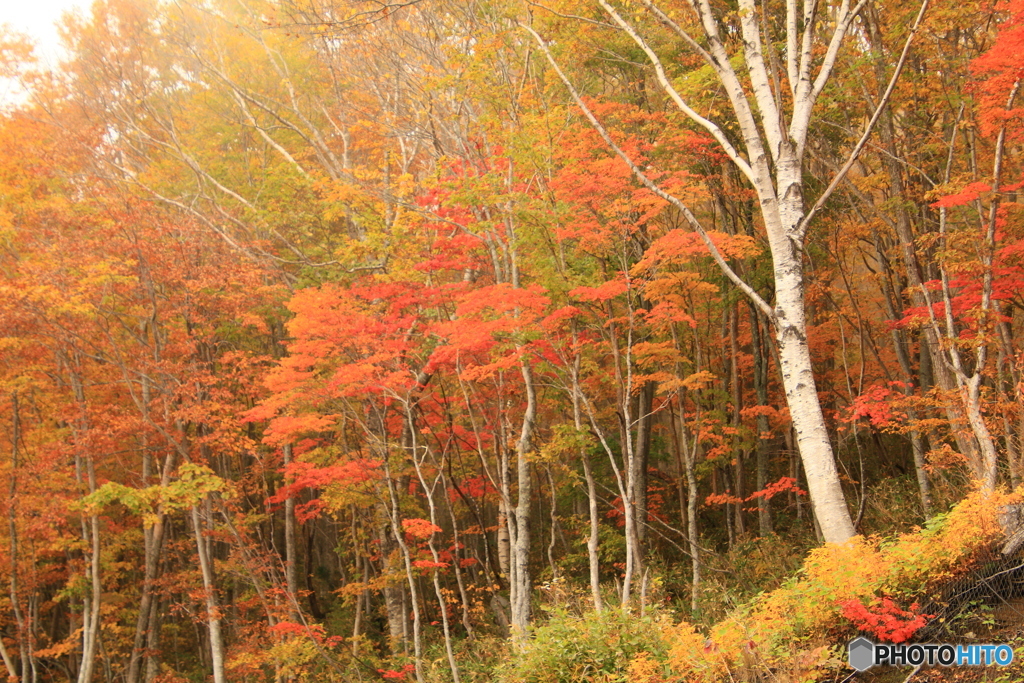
x,y
628,341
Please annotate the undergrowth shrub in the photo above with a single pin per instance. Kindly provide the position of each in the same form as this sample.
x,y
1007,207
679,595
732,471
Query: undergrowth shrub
x,y
591,647
477,657
893,505
736,576
799,628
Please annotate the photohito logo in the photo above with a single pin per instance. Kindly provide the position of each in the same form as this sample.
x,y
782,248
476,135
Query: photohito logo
x,y
864,654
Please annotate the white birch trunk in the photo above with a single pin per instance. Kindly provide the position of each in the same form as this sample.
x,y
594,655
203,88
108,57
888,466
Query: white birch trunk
x,y
209,590
290,556
429,489
520,560
594,539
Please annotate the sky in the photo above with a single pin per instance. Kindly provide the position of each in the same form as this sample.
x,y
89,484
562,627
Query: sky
x,y
36,18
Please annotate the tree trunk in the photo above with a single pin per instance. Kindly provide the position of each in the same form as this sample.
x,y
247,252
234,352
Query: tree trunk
x,y
290,554
626,477
394,596
210,593
428,489
504,542
593,540
91,535
764,516
154,543
739,476
153,642
520,579
410,576
688,453
823,484
641,460
12,516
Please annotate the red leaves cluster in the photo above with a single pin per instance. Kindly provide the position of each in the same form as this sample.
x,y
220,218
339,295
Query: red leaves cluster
x,y
317,632
473,487
722,499
999,70
884,620
429,564
399,675
420,528
783,485
289,628
965,196
305,475
876,405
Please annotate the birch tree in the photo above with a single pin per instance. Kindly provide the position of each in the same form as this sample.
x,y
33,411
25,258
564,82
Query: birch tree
x,y
772,99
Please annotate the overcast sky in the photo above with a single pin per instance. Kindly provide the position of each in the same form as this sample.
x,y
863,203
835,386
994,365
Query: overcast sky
x,y
35,18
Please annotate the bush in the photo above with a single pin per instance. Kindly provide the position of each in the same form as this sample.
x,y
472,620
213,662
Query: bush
x,y
593,647
800,627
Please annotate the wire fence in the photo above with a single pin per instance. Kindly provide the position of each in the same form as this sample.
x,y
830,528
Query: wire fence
x,y
987,598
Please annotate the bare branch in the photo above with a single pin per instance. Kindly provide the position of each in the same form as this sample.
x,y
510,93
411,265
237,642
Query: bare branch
x,y
753,53
859,147
667,86
681,32
266,136
792,36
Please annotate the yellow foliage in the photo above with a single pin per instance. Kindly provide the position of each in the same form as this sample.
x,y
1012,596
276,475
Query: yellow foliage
x,y
788,630
643,669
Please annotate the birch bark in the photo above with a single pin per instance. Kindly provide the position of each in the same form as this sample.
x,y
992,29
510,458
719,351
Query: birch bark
x,y
209,589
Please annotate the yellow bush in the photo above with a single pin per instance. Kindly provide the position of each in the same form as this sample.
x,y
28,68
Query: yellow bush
x,y
791,631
